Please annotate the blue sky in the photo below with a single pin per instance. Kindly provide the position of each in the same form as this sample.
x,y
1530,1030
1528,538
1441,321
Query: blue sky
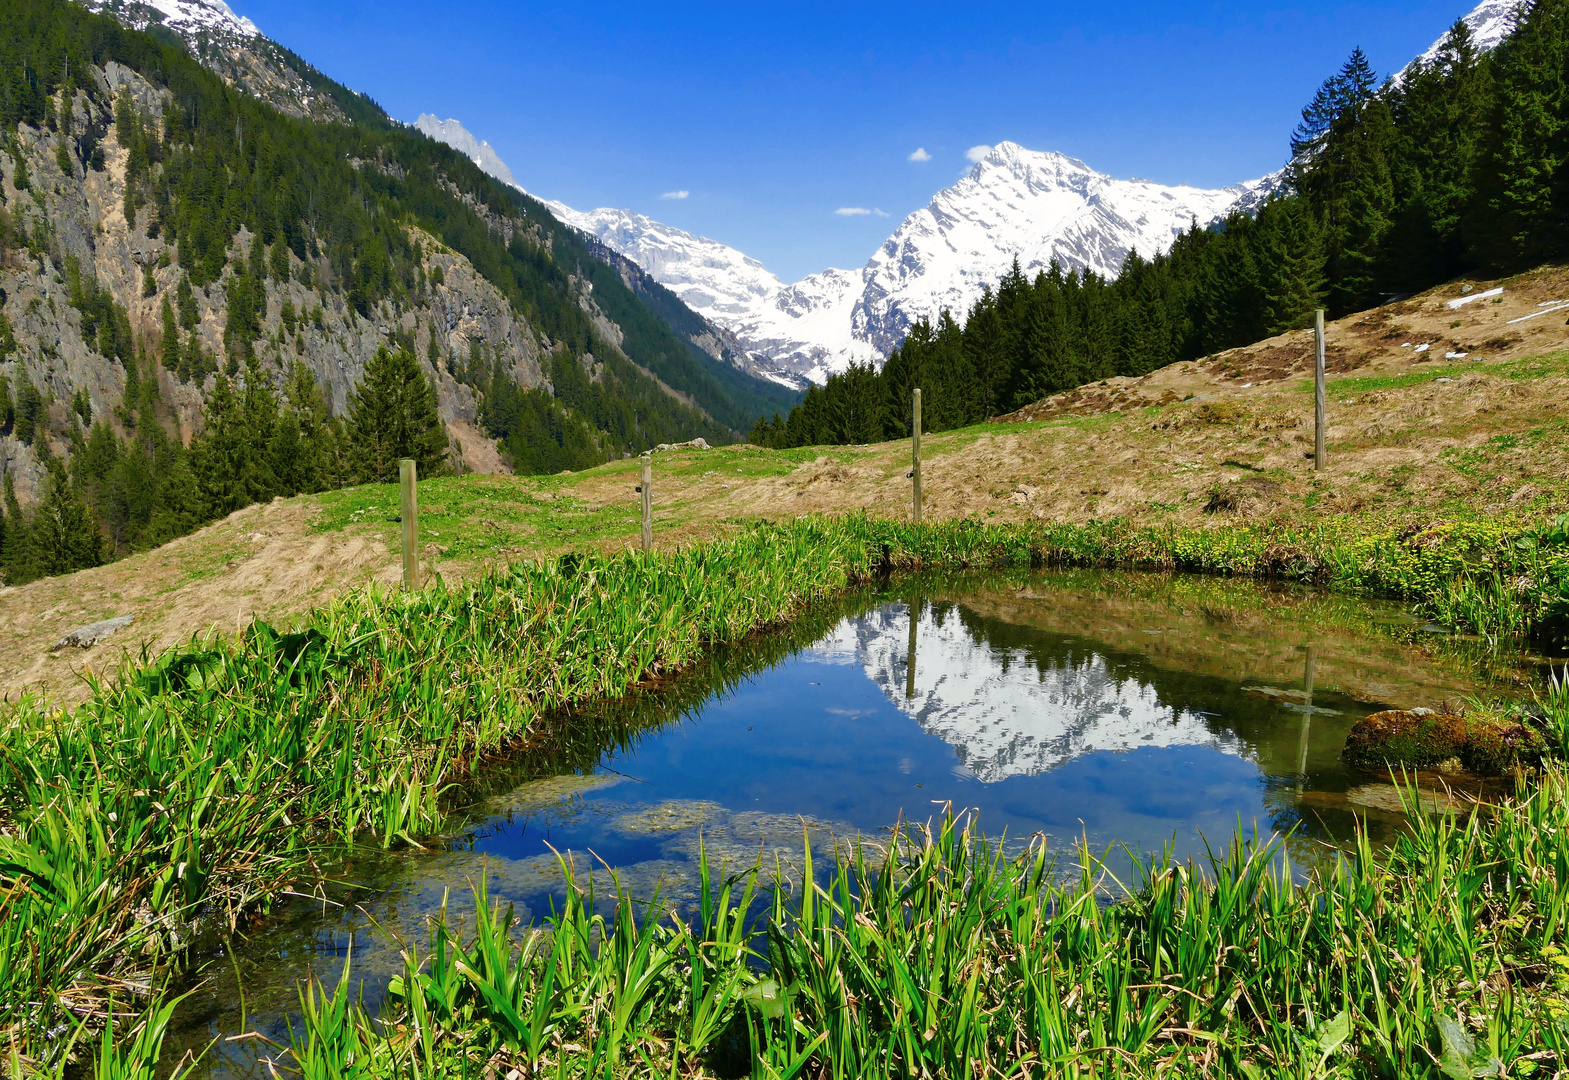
x,y
773,116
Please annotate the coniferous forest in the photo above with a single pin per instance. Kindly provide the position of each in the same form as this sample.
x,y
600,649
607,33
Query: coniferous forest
x,y
1391,189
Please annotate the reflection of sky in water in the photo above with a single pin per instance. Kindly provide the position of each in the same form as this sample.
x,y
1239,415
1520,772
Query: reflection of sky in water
x,y
1036,731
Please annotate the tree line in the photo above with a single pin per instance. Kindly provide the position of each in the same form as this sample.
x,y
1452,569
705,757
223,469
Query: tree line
x,y
1392,188
130,482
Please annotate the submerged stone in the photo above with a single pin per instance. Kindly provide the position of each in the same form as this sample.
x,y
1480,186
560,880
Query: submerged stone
x,y
1389,798
1486,743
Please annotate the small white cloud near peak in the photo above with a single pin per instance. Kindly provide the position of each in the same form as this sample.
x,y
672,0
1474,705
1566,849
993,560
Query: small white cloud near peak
x,y
683,193
860,211
976,153
919,155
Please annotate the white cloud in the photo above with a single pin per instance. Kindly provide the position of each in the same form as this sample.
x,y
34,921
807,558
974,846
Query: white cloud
x,y
859,211
975,153
683,193
919,155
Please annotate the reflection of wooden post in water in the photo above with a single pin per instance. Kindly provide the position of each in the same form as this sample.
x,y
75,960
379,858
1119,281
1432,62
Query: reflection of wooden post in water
x,y
909,664
1307,717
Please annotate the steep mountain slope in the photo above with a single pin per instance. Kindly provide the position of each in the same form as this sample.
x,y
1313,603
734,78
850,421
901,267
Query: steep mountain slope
x,y
458,137
719,354
235,49
161,233
694,365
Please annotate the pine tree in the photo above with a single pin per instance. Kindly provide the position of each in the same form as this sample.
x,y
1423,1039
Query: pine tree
x,y
1439,111
62,536
13,555
170,345
1291,256
229,457
28,412
1366,207
303,448
1348,88
392,415
185,301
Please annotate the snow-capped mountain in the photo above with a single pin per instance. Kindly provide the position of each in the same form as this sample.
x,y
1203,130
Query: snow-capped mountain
x,y
184,17
463,141
790,332
1035,206
1489,22
1002,713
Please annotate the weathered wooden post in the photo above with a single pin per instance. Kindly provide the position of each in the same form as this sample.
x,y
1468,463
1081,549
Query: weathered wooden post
x,y
648,502
909,666
1307,718
915,453
1318,389
407,476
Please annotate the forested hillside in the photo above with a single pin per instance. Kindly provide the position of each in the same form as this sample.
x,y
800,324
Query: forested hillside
x,y
1391,189
183,266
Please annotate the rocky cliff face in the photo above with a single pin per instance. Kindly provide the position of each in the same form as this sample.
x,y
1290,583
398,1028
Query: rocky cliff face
x,y
79,215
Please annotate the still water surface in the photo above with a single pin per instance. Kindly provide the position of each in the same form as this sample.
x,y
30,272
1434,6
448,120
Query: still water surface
x,y
1115,709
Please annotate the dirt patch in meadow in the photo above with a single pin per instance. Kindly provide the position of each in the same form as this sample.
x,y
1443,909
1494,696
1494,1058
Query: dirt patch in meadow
x,y
262,562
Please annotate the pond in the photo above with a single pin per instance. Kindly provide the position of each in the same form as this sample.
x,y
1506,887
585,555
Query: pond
x,y
1146,712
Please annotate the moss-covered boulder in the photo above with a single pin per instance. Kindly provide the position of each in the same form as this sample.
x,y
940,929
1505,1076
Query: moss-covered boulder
x,y
1486,743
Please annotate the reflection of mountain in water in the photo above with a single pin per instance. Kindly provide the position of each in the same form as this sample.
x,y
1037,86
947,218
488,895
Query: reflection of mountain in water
x,y
1007,711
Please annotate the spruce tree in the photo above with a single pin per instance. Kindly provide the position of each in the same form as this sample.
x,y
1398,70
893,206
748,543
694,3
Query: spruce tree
x,y
13,555
62,536
185,300
392,415
169,347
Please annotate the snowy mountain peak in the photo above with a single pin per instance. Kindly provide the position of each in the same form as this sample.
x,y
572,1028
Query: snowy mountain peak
x,y
185,17
463,141
1038,206
1489,22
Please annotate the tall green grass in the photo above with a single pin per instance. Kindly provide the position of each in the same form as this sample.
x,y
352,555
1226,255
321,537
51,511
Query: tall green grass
x,y
941,957
188,791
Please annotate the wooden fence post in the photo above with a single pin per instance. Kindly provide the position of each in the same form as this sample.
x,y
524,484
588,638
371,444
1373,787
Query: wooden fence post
x,y
915,454
407,477
648,503
1318,389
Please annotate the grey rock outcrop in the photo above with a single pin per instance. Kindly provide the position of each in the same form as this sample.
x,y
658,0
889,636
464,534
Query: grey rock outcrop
x,y
85,637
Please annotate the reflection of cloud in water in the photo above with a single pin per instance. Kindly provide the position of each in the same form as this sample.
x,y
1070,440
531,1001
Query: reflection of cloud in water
x,y
1004,714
